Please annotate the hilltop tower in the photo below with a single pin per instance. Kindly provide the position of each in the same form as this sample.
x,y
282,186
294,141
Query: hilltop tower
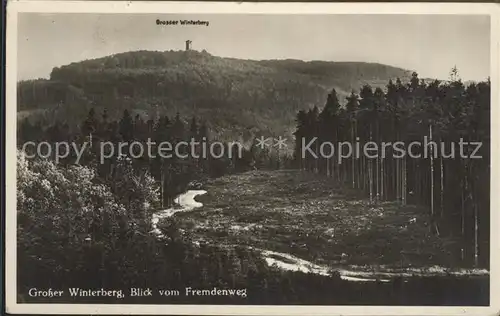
x,y
188,45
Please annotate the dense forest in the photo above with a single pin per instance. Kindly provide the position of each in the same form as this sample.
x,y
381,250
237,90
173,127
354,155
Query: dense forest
x,y
454,185
89,225
238,98
173,174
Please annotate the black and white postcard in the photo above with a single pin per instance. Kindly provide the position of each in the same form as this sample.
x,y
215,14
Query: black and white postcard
x,y
252,159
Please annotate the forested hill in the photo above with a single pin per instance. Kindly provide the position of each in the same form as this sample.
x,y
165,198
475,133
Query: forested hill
x,y
237,98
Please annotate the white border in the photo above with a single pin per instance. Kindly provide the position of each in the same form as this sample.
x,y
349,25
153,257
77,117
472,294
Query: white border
x,y
15,7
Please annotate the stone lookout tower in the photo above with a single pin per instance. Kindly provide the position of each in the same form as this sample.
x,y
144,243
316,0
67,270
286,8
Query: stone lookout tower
x,y
188,45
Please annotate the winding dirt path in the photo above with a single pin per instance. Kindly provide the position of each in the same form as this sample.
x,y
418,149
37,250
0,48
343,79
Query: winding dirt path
x,y
185,203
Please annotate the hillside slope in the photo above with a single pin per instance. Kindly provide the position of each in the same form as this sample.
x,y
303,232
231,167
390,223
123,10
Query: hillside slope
x,y
238,98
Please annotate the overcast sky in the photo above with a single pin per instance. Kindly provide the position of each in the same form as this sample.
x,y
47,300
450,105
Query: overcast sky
x,y
429,44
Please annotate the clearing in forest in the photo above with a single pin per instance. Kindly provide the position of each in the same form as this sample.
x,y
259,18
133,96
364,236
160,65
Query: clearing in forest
x,y
292,213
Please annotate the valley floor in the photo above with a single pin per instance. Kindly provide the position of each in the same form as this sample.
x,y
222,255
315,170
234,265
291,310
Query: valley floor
x,y
305,222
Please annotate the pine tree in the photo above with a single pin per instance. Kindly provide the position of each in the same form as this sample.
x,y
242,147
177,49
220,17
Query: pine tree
x,y
126,127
